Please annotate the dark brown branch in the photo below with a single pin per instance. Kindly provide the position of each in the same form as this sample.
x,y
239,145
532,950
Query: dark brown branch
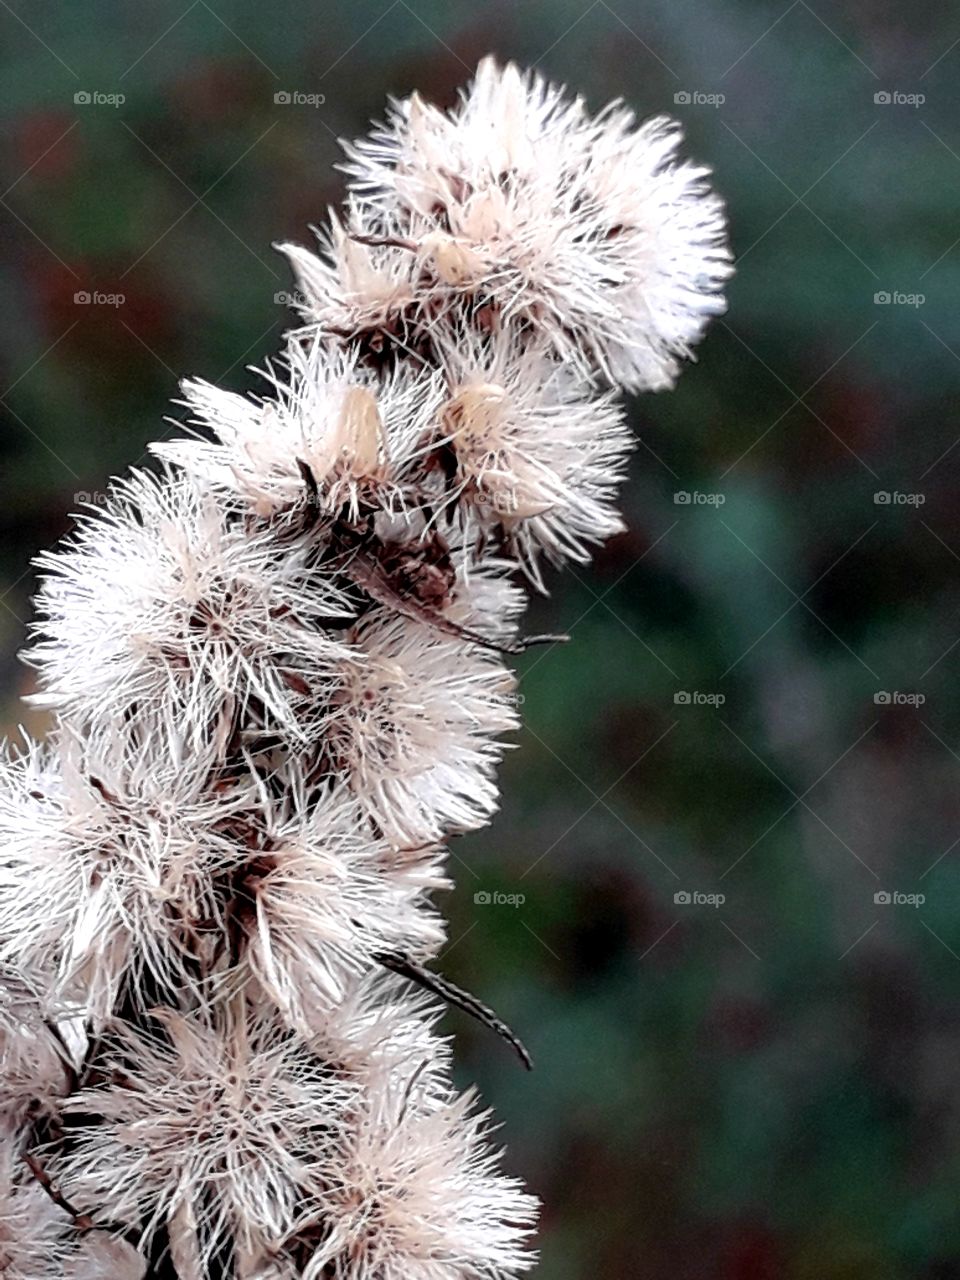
x,y
367,574
82,1221
104,791
386,242
310,480
456,996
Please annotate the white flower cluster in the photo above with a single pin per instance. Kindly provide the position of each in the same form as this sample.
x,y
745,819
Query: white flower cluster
x,y
276,669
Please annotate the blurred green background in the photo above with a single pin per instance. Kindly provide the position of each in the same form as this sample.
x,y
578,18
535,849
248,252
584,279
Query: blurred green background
x,y
760,699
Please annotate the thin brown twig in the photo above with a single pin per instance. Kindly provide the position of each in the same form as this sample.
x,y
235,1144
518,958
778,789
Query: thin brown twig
x,y
82,1221
456,996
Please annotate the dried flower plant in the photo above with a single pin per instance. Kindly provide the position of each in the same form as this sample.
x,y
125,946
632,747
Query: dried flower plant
x,y
278,681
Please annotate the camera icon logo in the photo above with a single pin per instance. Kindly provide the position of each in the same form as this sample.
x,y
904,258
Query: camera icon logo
x,y
682,498
681,698
682,898
882,97
882,898
482,898
882,298
82,98
682,98
81,298
882,698
282,98
882,498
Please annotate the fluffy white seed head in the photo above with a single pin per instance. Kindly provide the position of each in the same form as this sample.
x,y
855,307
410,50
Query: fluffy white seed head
x,y
536,453
331,424
212,1128
585,228
413,727
326,895
411,1191
171,604
110,872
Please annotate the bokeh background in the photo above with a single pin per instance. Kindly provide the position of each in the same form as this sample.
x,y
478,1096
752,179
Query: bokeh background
x,y
747,1060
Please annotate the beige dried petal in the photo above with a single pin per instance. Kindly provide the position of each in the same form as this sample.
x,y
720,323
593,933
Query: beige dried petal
x,y
358,436
104,1257
455,261
184,1247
